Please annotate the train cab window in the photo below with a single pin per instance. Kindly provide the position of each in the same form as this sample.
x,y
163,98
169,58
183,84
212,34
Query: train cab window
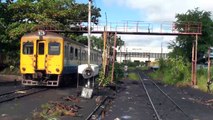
x,y
54,48
28,48
41,48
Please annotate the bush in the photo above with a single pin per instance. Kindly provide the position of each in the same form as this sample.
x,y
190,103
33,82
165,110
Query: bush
x,y
174,70
105,80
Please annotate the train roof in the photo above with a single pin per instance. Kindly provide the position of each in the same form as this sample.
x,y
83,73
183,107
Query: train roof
x,y
49,34
52,34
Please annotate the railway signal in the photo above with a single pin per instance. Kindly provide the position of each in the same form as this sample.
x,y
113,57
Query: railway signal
x,y
87,73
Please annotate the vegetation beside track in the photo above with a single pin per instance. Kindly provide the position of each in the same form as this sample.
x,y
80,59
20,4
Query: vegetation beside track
x,y
105,80
133,76
173,71
178,72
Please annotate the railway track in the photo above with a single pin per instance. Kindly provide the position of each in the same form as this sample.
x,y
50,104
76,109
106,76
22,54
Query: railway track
x,y
99,112
15,94
164,107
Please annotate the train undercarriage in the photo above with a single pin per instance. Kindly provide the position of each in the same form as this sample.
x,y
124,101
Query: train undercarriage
x,y
40,78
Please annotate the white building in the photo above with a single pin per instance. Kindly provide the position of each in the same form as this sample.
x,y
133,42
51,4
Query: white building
x,y
141,53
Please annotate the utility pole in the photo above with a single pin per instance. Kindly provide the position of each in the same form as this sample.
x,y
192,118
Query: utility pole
x,y
104,51
193,63
89,31
194,60
196,43
113,62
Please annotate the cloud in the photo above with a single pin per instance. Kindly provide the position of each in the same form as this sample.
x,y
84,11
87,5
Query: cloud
x,y
157,10
162,10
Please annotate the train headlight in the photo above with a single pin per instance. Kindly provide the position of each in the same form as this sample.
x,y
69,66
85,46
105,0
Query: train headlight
x,y
87,73
57,70
23,69
41,33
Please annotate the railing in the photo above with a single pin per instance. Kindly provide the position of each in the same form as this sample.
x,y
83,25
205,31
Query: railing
x,y
141,26
137,27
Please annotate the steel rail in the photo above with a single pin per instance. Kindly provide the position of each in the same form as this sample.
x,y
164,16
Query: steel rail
x,y
15,95
150,100
96,108
6,93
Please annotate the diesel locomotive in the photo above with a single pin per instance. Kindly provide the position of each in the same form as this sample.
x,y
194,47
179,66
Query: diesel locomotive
x,y
45,57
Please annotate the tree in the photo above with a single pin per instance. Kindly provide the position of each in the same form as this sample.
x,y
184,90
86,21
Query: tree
x,y
5,18
183,44
22,16
31,15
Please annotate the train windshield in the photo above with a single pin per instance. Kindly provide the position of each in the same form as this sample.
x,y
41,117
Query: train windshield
x,y
28,48
54,48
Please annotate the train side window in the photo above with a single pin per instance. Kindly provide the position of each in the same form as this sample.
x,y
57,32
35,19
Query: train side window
x,y
79,54
91,56
66,52
40,48
96,57
54,48
76,53
71,53
83,55
28,48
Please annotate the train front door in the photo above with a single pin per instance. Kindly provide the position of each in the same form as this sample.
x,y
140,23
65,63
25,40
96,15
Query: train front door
x,y
41,55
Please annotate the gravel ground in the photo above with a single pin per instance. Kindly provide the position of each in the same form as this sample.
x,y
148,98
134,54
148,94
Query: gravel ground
x,y
24,108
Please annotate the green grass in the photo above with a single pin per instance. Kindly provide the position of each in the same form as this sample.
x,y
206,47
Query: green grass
x,y
143,68
133,76
202,79
131,68
202,83
167,79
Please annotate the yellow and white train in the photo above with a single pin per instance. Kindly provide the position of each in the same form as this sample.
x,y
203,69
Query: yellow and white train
x,y
45,57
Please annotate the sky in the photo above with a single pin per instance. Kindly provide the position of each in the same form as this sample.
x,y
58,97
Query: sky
x,y
147,10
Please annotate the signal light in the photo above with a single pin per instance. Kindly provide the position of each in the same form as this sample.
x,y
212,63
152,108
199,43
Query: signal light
x,y
87,73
